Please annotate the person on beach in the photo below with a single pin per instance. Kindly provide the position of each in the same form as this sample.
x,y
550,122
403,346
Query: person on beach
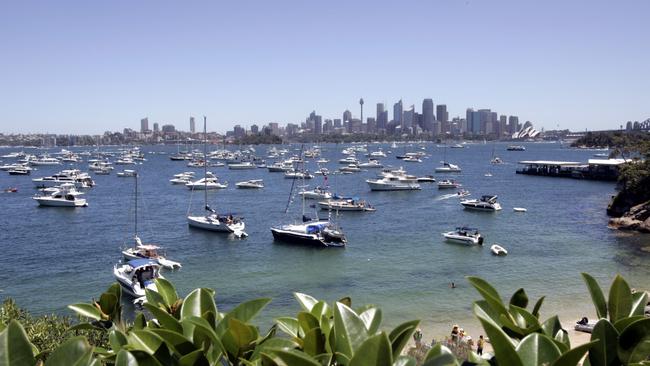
x,y
454,334
479,345
417,337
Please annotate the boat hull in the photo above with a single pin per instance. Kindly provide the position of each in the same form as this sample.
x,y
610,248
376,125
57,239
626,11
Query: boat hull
x,y
374,186
303,239
46,201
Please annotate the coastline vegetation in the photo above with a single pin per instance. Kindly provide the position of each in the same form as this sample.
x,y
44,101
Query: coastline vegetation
x,y
191,331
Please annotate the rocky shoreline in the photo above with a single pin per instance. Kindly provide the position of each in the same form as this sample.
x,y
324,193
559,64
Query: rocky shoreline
x,y
637,218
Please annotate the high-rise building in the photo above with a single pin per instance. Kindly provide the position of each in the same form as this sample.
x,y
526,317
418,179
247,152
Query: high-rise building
x,y
441,113
427,114
192,125
156,127
503,126
347,116
337,123
255,129
144,125
382,122
318,124
408,118
513,124
398,109
371,125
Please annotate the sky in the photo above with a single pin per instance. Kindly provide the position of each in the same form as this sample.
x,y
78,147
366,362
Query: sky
x,y
85,67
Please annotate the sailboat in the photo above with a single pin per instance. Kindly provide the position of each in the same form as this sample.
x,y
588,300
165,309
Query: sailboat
x,y
495,159
446,166
310,232
212,221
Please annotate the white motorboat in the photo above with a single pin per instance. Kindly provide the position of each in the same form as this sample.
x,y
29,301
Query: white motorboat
x,y
448,168
485,203
97,166
377,154
319,233
498,250
465,235
15,166
20,170
344,204
125,161
137,275
317,193
322,171
322,161
448,183
516,148
210,181
519,209
280,167
412,159
296,174
352,168
182,178
197,163
253,183
127,173
149,251
74,176
45,160
64,196
242,166
394,180
371,164
488,174
427,179
349,160
211,220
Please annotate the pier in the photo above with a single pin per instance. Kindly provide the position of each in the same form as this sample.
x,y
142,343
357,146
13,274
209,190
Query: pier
x,y
594,169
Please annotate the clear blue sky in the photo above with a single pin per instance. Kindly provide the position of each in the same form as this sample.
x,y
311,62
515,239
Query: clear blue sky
x,y
90,66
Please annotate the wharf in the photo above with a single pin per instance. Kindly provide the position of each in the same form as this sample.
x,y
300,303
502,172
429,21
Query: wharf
x,y
594,169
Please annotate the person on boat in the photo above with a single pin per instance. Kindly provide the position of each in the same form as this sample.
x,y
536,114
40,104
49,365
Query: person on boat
x,y
452,285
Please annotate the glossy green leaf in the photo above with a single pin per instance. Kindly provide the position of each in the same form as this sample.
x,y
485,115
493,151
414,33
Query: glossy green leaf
x,y
239,337
136,357
484,286
437,351
245,312
87,310
347,301
199,331
349,330
605,351
166,291
166,321
289,325
634,341
372,319
116,290
531,322
537,349
307,302
154,298
503,346
639,301
176,341
74,352
196,358
307,321
404,361
623,323
400,336
271,344
374,351
117,340
140,322
321,309
538,306
519,298
125,358
314,342
597,296
144,340
108,303
551,326
573,356
490,295
445,359
84,326
620,299
198,302
284,357
15,348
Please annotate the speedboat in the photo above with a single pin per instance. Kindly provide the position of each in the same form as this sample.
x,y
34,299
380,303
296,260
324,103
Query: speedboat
x,y
349,160
448,183
448,168
125,160
279,167
242,166
210,181
322,161
295,174
498,250
64,196
485,203
377,154
100,166
149,251
519,209
74,176
465,235
318,233
182,178
317,193
137,275
346,205
516,148
253,183
322,171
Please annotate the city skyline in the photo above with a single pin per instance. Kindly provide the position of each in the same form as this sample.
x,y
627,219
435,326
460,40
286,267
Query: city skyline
x,y
78,67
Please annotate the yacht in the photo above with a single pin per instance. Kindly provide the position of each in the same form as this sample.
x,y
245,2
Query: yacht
x,y
100,166
14,166
242,166
485,203
412,159
125,160
427,179
317,193
280,167
127,173
448,168
295,174
322,171
377,154
74,176
182,178
318,233
64,196
346,204
496,160
20,170
322,161
210,181
253,183
465,235
45,160
137,275
149,251
372,163
349,160
351,168
448,183
394,182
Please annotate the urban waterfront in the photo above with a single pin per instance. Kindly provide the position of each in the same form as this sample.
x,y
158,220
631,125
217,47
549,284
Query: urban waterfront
x,y
396,257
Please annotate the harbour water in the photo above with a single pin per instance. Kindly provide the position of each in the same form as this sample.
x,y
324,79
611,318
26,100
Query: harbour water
x,y
396,257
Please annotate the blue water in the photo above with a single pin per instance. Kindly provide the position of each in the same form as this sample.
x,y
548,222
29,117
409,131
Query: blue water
x,y
395,258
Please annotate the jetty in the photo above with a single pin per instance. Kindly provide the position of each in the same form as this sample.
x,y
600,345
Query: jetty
x,y
594,169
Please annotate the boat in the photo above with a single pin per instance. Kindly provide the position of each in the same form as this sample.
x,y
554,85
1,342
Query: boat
x,y
601,155
378,154
20,170
105,171
346,204
242,166
322,161
64,196
182,178
488,174
74,176
295,174
127,173
462,193
427,179
448,168
371,164
349,160
100,166
457,146
496,160
516,148
280,167
151,252
519,209
412,159
485,203
465,235
137,275
396,180
211,220
583,325
498,250
322,171
253,183
448,183
317,193
11,190
351,168
45,160
14,166
210,181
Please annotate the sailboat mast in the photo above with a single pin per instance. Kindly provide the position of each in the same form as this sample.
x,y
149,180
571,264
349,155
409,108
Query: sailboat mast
x,y
205,162
136,205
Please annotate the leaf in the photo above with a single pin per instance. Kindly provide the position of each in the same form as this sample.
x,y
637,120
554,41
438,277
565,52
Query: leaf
x,y
244,312
273,343
445,359
136,358
87,310
504,349
639,301
623,323
314,342
84,326
194,358
400,336
483,286
620,299
519,298
634,341
490,295
538,306
349,330
321,309
154,298
108,303
198,302
346,301
375,351
15,348
573,356
436,352
139,322
144,340
117,339
74,352
166,321
307,302
291,357
166,291
605,351
125,358
307,321
238,338
404,361
372,319
597,296
288,325
537,349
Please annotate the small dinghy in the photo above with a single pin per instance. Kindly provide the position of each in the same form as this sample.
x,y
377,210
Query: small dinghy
x,y
519,209
583,325
498,250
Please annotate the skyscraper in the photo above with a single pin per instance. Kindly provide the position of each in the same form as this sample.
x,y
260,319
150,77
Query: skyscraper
x,y
156,127
408,117
347,116
398,110
192,125
427,114
513,124
144,125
